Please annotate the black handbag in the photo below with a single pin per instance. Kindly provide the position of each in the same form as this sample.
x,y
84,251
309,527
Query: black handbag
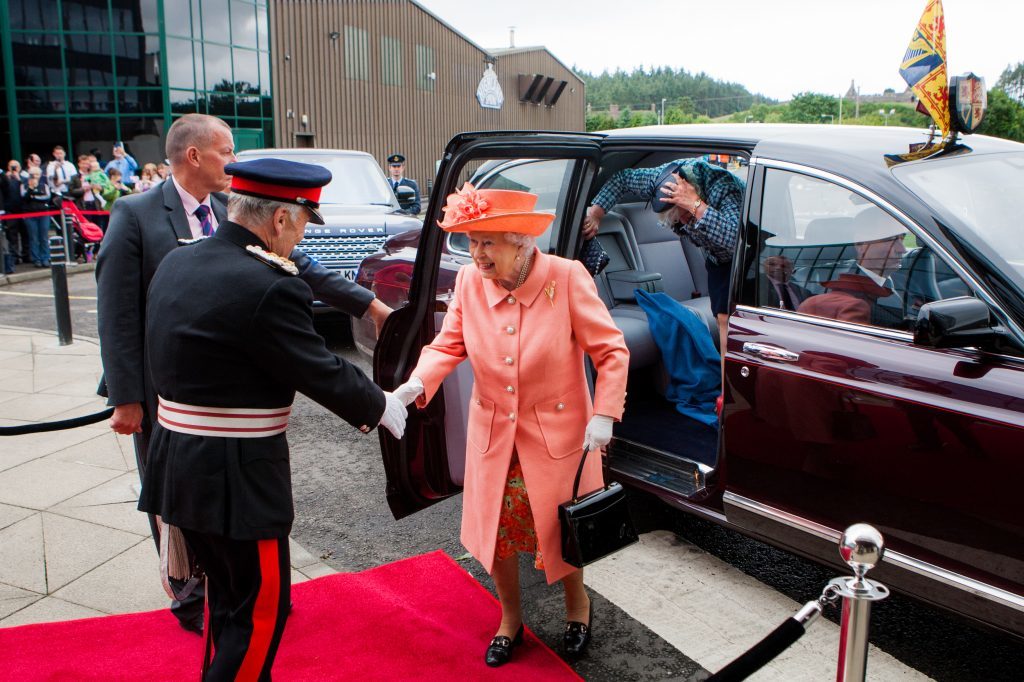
x,y
594,257
595,525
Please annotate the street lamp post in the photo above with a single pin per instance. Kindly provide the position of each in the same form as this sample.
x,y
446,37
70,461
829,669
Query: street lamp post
x,y
886,114
830,117
661,119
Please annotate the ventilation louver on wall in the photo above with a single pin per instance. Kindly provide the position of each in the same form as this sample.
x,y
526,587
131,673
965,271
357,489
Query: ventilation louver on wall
x,y
537,88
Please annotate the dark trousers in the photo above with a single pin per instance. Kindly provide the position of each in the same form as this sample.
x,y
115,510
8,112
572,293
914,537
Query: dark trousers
x,y
189,609
248,584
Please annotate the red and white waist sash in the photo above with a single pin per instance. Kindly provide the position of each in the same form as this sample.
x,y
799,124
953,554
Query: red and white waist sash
x,y
226,422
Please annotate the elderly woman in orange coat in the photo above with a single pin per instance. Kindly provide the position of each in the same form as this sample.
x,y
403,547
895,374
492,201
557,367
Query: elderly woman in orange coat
x,y
524,319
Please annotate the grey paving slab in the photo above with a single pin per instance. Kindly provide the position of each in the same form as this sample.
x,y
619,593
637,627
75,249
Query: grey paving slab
x,y
14,599
300,558
100,451
74,547
11,395
40,406
43,344
17,380
83,386
7,354
22,361
22,562
127,583
17,450
112,504
10,515
50,378
42,483
317,570
15,341
46,610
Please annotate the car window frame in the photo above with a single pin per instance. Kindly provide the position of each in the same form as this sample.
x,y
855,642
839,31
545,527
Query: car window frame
x,y
924,238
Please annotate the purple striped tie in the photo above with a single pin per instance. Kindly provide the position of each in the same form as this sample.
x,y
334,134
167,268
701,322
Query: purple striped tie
x,y
203,213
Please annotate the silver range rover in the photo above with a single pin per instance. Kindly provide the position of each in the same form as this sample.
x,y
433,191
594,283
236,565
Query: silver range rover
x,y
359,207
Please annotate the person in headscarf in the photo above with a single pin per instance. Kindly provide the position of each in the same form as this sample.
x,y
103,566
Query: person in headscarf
x,y
699,201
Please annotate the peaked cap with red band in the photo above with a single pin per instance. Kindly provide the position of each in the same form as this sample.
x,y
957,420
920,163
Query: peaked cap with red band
x,y
290,182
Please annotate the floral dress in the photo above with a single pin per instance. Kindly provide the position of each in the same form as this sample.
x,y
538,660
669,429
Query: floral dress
x,y
516,532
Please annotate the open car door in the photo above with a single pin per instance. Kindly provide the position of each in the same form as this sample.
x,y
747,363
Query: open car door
x,y
428,464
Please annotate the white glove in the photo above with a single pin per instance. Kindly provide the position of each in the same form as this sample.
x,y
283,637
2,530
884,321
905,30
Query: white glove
x,y
394,415
599,432
409,391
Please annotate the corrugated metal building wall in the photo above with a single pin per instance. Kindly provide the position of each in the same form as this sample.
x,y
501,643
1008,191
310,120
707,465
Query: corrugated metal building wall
x,y
355,74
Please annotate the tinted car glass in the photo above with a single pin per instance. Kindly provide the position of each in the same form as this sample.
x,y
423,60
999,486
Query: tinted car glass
x,y
827,251
986,193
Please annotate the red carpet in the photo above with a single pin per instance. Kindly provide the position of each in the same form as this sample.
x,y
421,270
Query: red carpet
x,y
423,618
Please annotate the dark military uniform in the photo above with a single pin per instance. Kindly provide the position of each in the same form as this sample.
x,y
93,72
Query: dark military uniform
x,y
414,207
229,340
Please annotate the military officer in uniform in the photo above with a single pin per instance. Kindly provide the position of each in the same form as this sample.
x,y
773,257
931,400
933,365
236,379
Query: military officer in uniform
x,y
229,340
396,169
144,228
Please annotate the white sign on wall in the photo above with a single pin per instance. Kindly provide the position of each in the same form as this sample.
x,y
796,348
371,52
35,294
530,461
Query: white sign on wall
x,y
488,93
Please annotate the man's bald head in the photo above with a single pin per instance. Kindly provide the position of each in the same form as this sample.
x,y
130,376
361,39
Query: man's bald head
x,y
199,146
192,130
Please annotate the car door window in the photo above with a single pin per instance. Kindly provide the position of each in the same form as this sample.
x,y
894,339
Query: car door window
x,y
826,251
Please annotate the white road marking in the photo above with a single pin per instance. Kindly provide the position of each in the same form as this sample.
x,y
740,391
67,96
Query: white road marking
x,y
713,612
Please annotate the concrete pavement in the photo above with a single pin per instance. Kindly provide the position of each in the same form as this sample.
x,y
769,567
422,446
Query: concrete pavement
x,y
72,544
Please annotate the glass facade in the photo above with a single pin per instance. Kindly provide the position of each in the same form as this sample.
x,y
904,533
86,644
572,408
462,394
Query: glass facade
x,y
86,73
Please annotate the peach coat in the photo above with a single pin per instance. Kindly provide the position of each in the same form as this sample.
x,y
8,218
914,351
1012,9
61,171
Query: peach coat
x,y
530,392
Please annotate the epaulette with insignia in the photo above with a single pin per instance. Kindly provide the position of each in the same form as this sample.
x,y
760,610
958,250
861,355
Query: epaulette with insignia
x,y
186,242
272,259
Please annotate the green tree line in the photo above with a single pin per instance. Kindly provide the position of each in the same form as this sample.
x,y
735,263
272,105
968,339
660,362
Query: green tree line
x,y
700,98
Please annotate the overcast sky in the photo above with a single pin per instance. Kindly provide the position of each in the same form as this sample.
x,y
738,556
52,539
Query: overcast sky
x,y
774,47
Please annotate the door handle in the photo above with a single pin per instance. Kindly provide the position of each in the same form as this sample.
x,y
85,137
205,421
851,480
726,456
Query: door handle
x,y
771,353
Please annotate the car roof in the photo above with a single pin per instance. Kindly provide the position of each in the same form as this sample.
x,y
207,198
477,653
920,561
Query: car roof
x,y
808,143
302,151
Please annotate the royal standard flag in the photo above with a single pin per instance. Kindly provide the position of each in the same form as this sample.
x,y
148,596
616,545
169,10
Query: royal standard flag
x,y
924,65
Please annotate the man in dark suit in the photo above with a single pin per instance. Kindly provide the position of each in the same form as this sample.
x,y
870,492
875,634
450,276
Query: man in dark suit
x,y
229,340
143,229
396,169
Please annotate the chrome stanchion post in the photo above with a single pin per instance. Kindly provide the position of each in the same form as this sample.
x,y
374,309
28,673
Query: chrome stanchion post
x,y
862,547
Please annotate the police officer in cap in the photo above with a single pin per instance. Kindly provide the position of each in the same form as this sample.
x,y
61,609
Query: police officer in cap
x,y
396,167
229,340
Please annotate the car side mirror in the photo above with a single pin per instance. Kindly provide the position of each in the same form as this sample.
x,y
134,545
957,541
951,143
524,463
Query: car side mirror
x,y
406,196
959,322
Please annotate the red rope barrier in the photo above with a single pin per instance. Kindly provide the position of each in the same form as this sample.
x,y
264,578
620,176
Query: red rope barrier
x,y
40,214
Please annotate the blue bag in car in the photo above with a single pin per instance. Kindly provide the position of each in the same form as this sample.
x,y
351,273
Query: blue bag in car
x,y
689,355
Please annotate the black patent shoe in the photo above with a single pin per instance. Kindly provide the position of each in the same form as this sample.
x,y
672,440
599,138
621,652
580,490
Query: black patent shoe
x,y
500,650
577,635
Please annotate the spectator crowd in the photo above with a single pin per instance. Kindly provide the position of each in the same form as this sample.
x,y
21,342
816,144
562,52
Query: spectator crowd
x,y
90,184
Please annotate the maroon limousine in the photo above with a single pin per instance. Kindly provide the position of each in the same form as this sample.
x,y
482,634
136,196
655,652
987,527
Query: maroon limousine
x,y
875,353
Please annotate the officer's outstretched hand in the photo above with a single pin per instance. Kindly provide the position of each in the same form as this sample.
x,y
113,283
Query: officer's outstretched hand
x,y
394,415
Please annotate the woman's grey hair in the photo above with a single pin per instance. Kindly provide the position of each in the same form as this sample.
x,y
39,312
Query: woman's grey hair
x,y
191,130
672,217
520,239
251,211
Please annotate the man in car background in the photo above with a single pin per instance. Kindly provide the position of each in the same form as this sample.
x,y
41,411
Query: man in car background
x,y
396,170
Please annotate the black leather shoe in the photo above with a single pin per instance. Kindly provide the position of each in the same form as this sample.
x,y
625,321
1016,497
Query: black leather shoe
x,y
577,635
500,650
192,624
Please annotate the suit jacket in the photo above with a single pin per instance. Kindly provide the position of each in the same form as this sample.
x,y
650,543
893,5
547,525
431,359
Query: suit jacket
x,y
143,229
530,392
226,329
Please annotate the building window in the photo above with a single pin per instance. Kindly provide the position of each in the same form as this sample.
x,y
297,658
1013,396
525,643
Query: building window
x,y
426,77
390,61
357,53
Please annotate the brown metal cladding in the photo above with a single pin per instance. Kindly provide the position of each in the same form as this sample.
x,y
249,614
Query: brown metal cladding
x,y
310,78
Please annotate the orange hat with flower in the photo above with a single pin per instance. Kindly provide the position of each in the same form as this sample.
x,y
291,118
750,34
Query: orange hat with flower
x,y
493,210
